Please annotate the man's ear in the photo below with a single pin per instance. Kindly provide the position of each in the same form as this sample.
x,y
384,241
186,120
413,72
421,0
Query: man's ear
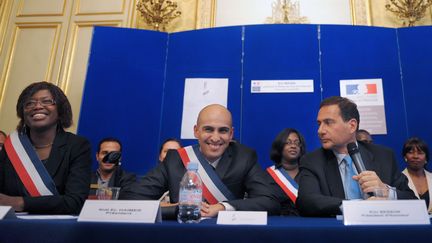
x,y
196,131
353,125
232,133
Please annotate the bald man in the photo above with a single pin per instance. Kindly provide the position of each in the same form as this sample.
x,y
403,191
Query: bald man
x,y
232,167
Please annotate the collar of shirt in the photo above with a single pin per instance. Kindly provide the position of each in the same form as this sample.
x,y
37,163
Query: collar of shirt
x,y
340,157
101,182
214,163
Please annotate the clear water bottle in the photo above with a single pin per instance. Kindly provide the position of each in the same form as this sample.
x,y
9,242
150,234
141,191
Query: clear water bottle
x,y
190,196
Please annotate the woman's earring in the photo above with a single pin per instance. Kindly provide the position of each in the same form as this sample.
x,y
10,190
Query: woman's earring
x,y
405,159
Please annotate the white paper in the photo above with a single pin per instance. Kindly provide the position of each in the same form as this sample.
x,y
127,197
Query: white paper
x,y
282,86
30,216
385,212
198,93
242,217
128,211
368,94
7,212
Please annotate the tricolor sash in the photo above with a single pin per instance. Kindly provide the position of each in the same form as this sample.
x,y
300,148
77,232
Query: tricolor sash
x,y
28,166
288,185
214,190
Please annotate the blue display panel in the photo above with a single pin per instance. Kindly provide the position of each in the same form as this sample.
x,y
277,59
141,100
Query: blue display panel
x,y
279,52
416,51
359,52
123,93
209,53
135,81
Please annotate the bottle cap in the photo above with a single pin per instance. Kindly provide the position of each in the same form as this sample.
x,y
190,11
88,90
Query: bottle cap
x,y
192,166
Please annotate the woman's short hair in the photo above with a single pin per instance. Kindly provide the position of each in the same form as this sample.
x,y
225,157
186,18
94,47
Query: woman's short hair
x,y
278,145
415,142
64,109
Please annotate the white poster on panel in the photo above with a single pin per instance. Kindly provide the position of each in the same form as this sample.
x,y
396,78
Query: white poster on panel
x,y
198,93
368,94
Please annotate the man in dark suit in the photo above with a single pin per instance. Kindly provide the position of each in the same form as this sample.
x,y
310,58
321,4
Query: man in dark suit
x,y
235,164
109,172
323,178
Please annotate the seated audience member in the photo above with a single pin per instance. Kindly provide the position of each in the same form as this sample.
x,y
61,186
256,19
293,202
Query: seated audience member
x,y
416,154
109,172
232,166
2,139
56,164
364,136
327,175
287,148
170,143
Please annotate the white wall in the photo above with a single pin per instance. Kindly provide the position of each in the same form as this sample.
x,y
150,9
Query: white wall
x,y
240,12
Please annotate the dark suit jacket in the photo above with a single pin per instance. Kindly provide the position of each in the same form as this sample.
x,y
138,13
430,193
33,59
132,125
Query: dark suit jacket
x,y
320,189
288,208
238,170
119,178
69,165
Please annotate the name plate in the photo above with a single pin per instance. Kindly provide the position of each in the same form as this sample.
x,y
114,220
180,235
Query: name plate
x,y
6,212
242,217
385,212
128,211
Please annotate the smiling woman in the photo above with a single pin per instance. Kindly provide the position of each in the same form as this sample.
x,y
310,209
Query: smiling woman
x,y
44,169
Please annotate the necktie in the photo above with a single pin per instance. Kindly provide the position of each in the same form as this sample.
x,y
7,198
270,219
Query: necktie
x,y
353,189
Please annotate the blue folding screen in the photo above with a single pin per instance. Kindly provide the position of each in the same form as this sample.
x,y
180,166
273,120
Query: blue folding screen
x,y
122,94
415,52
278,52
135,81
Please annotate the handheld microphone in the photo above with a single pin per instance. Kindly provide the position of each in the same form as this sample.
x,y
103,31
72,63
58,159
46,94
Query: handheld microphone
x,y
112,157
356,157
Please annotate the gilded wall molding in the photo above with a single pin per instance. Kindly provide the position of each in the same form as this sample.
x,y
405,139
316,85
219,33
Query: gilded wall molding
x,y
79,11
206,10
187,21
381,17
21,14
360,12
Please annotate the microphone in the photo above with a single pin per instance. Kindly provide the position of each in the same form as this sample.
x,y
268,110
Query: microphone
x,y
112,157
356,157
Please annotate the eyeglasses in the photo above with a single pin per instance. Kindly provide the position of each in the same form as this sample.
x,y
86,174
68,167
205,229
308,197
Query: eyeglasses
x,y
296,143
33,103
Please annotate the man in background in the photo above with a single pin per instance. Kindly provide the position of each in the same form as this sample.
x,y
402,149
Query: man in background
x,y
364,136
109,172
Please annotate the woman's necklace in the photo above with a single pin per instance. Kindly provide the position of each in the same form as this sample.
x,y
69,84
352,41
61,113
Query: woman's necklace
x,y
42,146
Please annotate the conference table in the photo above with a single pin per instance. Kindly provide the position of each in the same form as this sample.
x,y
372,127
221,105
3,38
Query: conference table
x,y
278,229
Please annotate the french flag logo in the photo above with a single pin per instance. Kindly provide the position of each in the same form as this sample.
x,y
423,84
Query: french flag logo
x,y
361,89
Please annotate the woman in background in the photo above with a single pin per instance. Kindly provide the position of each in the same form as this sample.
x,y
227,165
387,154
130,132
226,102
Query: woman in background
x,y
416,154
287,149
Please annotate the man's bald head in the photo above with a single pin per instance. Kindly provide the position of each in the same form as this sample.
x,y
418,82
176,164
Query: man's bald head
x,y
214,111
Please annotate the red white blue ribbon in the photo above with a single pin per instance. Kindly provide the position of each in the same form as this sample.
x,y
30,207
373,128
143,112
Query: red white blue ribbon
x,y
214,190
288,185
28,166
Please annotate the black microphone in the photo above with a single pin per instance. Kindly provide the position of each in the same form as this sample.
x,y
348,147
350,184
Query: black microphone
x,y
112,157
356,157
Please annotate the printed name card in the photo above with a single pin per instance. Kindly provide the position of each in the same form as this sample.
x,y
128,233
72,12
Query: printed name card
x,y
242,217
385,212
128,211
6,212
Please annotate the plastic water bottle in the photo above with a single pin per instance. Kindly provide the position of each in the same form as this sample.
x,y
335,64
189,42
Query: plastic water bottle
x,y
190,196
